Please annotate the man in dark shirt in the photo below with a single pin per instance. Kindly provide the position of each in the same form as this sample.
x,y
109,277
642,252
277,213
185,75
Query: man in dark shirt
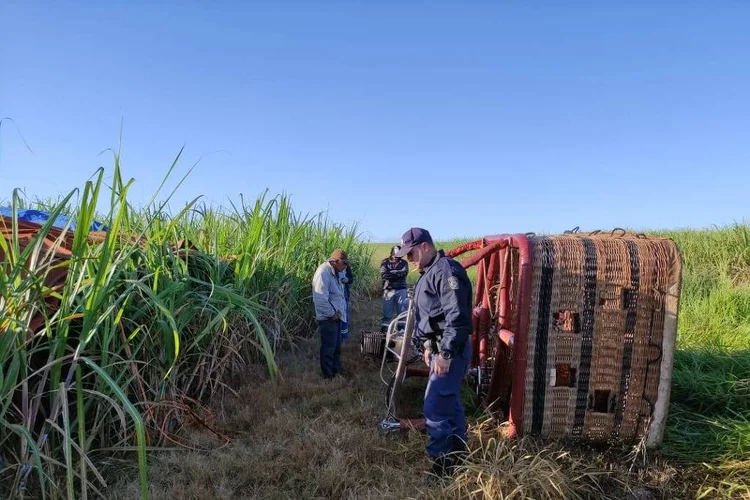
x,y
347,278
443,324
393,271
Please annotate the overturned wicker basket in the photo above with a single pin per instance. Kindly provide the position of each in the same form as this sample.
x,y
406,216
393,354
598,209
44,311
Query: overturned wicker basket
x,y
575,333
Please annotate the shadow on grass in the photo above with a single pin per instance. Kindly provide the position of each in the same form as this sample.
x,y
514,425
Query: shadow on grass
x,y
709,419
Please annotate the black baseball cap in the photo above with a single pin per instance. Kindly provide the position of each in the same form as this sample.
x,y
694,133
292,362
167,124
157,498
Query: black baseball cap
x,y
412,238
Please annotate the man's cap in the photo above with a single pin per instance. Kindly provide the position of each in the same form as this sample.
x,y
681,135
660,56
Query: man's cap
x,y
339,254
412,238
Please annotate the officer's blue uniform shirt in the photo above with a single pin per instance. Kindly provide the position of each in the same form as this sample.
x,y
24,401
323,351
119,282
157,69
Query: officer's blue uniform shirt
x,y
443,292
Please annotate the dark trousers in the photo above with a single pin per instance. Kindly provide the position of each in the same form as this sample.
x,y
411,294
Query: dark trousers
x,y
445,422
394,303
330,347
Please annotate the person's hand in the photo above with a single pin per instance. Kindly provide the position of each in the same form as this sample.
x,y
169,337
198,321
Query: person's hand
x,y
427,357
442,365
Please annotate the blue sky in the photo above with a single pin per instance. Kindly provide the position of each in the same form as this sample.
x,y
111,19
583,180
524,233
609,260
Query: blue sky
x,y
467,118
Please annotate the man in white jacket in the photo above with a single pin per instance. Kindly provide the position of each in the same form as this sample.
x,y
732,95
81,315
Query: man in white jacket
x,y
330,310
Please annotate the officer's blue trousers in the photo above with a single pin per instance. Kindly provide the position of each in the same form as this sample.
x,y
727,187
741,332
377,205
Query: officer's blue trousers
x,y
445,422
330,347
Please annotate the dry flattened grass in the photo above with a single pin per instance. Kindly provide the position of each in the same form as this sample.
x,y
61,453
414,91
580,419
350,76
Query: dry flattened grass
x,y
306,437
503,469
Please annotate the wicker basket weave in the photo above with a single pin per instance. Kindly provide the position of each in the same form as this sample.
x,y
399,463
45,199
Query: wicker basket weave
x,y
602,328
373,344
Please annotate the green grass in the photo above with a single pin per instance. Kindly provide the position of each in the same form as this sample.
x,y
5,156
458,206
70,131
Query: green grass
x,y
143,330
710,411
709,420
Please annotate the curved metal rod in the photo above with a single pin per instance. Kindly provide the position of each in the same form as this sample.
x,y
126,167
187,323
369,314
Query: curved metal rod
x,y
515,418
477,257
401,369
466,247
390,333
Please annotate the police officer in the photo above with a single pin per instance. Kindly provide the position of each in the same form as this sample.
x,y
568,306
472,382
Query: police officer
x,y
347,278
442,300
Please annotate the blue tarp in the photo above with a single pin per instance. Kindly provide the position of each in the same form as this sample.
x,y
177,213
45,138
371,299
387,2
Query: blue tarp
x,y
40,217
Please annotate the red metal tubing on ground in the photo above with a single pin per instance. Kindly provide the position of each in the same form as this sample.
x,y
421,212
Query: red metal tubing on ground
x,y
477,319
523,302
474,259
408,423
483,282
466,247
476,313
503,306
503,296
490,278
484,325
478,295
492,273
417,371
524,246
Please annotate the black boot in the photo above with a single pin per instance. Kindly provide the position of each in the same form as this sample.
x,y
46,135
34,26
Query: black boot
x,y
436,474
444,467
439,467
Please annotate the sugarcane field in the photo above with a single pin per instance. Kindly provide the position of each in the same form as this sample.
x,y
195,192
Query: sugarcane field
x,y
365,251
